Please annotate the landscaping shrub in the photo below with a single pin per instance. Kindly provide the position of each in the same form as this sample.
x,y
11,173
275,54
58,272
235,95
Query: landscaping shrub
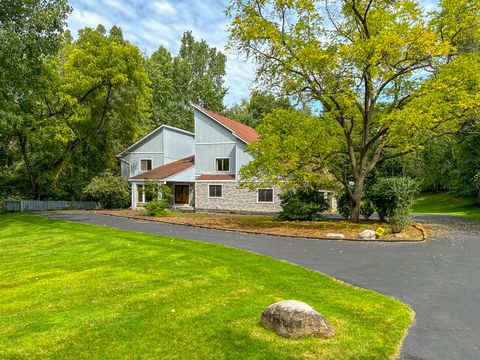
x,y
302,204
157,207
393,198
111,191
367,209
344,205
159,194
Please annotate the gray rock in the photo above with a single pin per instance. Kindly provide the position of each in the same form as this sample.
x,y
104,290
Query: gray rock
x,y
367,235
335,236
294,319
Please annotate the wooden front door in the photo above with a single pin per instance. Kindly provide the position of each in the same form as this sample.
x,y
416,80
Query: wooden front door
x,y
181,194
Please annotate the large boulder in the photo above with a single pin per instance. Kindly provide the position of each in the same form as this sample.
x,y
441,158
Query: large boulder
x,y
367,235
294,319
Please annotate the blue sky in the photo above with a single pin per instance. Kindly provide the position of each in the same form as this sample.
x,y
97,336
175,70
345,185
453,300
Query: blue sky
x,y
150,23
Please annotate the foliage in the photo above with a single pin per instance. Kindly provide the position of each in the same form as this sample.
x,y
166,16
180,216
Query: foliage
x,y
93,103
251,111
388,76
292,151
160,194
306,203
157,207
344,205
194,75
109,277
30,33
393,197
367,209
111,191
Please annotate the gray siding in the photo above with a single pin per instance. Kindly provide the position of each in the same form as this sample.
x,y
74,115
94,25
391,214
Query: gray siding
x,y
243,158
212,141
162,147
177,146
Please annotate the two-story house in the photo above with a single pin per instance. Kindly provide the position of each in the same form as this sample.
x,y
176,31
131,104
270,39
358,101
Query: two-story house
x,y
202,168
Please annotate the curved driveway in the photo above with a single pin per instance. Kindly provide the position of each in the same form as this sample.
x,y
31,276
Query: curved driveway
x,y
440,279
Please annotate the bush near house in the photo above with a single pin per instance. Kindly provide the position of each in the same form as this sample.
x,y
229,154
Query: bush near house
x,y
393,198
302,204
111,191
160,195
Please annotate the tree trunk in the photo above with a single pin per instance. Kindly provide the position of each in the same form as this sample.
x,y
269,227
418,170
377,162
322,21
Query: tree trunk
x,y
356,197
23,147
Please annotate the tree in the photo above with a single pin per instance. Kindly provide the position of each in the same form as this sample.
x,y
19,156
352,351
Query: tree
x,y
251,111
387,74
194,75
30,32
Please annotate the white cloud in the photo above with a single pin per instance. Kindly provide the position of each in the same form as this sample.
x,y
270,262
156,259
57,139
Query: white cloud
x,y
80,18
164,7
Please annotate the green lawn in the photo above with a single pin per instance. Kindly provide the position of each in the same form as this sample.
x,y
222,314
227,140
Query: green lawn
x,y
444,203
74,291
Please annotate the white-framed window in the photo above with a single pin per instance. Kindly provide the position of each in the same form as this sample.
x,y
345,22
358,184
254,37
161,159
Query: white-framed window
x,y
143,196
145,165
222,164
215,191
265,195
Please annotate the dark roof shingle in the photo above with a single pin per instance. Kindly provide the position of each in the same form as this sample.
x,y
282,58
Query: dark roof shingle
x,y
165,171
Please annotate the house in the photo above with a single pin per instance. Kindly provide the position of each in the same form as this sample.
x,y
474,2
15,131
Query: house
x,y
202,168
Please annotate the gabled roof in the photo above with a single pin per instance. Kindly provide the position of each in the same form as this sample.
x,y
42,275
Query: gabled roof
x,y
241,131
165,171
149,135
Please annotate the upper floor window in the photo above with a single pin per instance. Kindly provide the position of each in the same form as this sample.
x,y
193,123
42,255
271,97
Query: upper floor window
x,y
265,195
222,164
145,165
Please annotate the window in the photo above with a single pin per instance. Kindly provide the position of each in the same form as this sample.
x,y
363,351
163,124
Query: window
x,y
265,195
222,164
214,190
145,165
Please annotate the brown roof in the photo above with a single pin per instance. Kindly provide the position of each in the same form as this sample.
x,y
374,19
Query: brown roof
x,y
242,131
214,177
165,171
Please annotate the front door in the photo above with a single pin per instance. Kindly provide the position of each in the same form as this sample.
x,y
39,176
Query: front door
x,y
181,194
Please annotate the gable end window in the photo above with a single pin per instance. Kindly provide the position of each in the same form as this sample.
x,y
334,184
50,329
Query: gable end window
x,y
222,164
265,195
145,165
215,190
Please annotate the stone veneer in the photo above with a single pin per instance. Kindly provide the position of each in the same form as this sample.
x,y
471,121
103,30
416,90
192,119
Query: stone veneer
x,y
233,198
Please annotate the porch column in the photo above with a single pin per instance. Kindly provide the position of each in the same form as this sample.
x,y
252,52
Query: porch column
x,y
134,196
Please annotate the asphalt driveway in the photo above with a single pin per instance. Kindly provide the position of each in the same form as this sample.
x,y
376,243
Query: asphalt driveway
x,y
440,278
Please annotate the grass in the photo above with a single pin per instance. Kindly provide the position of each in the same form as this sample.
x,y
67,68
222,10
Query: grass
x,y
270,225
76,291
444,203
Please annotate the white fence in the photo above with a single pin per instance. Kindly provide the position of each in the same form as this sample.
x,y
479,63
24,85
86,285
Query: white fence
x,y
45,205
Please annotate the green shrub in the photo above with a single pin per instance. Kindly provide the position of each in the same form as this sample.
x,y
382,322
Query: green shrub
x,y
344,205
157,207
111,191
367,208
393,198
160,195
302,204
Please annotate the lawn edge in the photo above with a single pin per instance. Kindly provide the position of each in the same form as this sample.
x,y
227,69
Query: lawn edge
x,y
306,237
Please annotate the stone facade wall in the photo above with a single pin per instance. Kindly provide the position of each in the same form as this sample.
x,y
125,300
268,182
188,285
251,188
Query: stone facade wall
x,y
234,198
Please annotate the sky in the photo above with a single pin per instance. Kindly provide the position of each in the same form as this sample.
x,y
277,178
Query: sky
x,y
151,23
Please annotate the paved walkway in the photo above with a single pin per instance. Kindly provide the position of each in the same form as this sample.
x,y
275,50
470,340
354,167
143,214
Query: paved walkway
x,y
440,279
